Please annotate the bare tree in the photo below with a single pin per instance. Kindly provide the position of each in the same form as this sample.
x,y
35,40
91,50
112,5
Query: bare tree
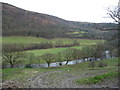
x,y
30,57
48,57
68,54
60,57
115,15
38,58
13,57
87,52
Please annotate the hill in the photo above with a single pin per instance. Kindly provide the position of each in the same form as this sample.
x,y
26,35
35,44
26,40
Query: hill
x,y
17,21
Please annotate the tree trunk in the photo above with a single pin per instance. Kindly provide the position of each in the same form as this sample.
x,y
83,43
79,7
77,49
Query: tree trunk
x,y
48,64
83,59
12,65
30,64
76,61
95,58
66,62
110,55
90,59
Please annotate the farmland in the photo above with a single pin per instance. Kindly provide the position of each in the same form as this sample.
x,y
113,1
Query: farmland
x,y
30,40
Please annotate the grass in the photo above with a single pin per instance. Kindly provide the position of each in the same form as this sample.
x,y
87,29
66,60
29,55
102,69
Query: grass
x,y
51,50
29,40
111,64
98,78
21,40
43,51
18,74
111,67
23,74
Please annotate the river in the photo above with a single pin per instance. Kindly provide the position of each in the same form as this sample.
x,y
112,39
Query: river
x,y
56,64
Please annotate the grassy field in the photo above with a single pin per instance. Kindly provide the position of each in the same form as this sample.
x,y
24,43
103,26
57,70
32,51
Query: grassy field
x,y
23,74
29,40
98,78
51,50
22,40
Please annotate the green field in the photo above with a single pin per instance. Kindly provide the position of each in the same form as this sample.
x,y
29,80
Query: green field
x,y
51,50
21,40
38,52
23,74
98,78
29,40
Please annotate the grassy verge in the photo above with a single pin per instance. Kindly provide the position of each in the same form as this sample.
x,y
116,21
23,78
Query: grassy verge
x,y
98,78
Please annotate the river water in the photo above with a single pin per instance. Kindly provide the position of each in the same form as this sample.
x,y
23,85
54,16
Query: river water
x,y
56,64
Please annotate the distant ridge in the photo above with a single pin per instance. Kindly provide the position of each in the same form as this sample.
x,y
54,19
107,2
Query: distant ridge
x,y
17,21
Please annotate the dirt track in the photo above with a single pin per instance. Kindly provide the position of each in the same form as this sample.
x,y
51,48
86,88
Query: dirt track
x,y
66,79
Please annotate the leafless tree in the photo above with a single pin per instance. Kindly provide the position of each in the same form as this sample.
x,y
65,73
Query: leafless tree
x,y
115,15
13,57
30,57
60,57
48,57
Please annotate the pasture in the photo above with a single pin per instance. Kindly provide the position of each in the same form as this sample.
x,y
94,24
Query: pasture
x,y
30,40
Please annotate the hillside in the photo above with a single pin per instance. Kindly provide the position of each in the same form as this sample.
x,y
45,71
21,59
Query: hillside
x,y
17,21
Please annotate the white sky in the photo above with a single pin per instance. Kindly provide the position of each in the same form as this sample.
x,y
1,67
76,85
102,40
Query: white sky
x,y
73,10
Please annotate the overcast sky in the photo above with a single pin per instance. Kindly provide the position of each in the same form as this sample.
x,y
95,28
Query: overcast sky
x,y
73,10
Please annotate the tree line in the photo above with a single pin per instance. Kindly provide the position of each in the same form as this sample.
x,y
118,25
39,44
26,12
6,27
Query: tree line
x,y
90,53
43,45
